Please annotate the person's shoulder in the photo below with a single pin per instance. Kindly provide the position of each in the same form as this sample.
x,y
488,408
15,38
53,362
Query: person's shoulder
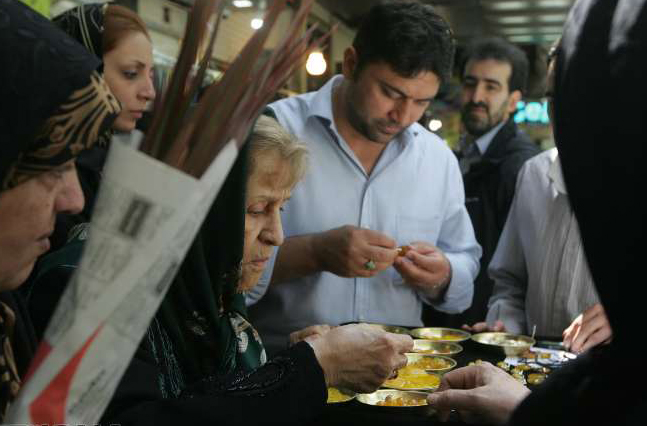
x,y
519,149
299,102
428,143
541,161
292,112
521,146
536,169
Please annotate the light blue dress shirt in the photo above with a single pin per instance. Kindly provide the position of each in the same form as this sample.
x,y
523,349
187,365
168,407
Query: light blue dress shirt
x,y
414,193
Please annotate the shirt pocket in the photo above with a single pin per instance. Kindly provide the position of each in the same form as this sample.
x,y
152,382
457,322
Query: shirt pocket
x,y
409,228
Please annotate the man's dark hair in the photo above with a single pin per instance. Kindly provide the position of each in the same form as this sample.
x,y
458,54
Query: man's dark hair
x,y
410,37
500,50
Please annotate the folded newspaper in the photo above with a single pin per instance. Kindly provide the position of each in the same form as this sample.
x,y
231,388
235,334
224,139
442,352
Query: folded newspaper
x,y
147,215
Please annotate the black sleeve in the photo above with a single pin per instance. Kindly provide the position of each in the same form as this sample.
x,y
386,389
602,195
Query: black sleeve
x,y
43,294
288,389
588,391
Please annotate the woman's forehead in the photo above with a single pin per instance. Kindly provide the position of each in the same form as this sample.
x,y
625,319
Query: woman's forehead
x,y
270,167
273,181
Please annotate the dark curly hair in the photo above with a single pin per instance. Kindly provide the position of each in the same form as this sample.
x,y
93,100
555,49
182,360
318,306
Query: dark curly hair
x,y
500,50
410,37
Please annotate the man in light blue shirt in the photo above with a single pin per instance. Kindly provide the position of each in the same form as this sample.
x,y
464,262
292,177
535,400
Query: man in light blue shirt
x,y
377,180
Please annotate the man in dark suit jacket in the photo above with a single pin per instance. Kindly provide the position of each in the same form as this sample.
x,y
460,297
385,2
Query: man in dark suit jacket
x,y
491,153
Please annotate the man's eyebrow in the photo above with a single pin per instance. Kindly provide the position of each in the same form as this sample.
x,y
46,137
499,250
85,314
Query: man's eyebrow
x,y
401,93
471,78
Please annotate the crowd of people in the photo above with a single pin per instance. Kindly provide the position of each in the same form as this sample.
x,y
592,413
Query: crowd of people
x,y
305,239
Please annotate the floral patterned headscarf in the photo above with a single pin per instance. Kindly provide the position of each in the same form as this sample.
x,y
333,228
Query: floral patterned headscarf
x,y
53,104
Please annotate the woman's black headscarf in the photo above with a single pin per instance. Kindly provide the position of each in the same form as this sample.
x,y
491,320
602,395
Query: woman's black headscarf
x,y
41,68
601,133
84,23
53,106
203,316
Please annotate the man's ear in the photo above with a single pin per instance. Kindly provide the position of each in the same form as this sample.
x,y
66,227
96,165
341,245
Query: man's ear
x,y
513,100
350,62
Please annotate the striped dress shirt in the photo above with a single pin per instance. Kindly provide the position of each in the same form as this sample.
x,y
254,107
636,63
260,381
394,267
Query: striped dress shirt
x,y
539,268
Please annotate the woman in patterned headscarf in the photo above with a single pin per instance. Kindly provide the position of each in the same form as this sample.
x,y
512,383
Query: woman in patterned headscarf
x,y
53,105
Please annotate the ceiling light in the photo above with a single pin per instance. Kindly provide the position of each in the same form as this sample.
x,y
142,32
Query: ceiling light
x,y
517,30
243,3
256,23
435,125
512,20
536,38
522,39
547,4
551,19
550,30
316,64
530,30
508,5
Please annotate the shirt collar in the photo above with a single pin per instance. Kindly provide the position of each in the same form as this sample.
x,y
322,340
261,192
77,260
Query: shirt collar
x,y
320,106
555,172
484,141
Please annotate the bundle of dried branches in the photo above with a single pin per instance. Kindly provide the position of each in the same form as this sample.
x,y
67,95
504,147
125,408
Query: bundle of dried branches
x,y
229,107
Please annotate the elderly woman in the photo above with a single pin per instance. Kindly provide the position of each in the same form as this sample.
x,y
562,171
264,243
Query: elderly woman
x,y
201,360
46,120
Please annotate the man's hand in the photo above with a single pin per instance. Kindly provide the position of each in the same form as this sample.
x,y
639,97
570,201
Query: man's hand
x,y
481,327
309,333
345,251
481,394
587,330
360,357
426,268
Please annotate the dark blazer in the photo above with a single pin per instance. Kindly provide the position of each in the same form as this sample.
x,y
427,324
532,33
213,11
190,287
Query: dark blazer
x,y
489,189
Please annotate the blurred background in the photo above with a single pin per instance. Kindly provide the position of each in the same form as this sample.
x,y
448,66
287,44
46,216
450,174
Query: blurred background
x,y
533,25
